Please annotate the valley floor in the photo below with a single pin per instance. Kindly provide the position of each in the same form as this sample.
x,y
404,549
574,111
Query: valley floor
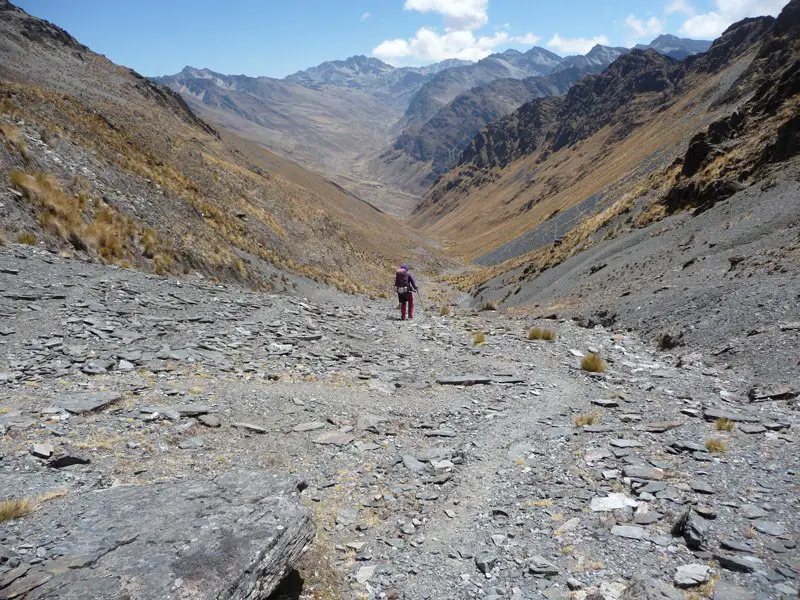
x,y
426,489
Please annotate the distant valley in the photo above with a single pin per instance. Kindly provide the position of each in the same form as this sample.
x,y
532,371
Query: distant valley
x,y
386,133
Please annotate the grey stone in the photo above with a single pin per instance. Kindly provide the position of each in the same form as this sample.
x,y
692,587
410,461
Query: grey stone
x,y
250,427
742,564
735,545
712,414
643,472
464,380
191,443
364,574
752,428
751,511
42,450
662,426
648,588
209,420
485,561
596,454
192,410
700,486
621,443
336,438
692,528
413,465
631,532
309,426
769,527
691,575
612,502
240,533
87,402
605,402
541,566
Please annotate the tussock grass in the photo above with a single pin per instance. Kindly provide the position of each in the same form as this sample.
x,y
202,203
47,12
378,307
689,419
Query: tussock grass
x,y
489,305
13,140
478,337
586,419
14,509
27,237
444,310
723,424
593,363
716,445
537,333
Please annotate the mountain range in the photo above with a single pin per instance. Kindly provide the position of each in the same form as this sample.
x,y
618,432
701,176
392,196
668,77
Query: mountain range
x,y
384,132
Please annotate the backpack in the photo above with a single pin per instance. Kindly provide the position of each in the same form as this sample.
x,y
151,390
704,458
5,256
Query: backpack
x,y
401,281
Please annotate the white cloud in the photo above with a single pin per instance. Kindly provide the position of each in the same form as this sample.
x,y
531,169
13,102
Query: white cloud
x,y
528,39
462,15
575,45
365,16
427,45
679,6
642,29
459,40
711,24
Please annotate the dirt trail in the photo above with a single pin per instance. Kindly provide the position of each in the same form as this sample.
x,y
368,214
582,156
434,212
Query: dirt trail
x,y
420,488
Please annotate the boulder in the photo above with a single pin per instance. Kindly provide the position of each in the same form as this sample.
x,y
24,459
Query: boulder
x,y
235,537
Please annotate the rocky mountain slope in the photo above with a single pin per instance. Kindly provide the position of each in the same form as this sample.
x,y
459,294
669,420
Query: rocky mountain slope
x,y
375,129
84,171
431,466
601,141
675,47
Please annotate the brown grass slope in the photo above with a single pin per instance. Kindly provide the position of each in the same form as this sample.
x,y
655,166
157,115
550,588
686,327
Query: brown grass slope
x,y
97,160
606,137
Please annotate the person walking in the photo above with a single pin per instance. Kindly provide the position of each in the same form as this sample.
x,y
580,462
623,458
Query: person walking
x,y
405,286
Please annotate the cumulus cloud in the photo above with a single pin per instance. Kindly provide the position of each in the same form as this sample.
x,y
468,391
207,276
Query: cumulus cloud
x,y
679,6
711,24
428,45
365,16
461,19
643,29
461,15
575,45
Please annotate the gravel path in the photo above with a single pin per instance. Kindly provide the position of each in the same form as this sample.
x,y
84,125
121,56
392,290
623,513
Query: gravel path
x,y
421,486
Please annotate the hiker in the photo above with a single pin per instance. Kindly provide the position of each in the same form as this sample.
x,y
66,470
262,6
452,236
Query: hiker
x,y
405,285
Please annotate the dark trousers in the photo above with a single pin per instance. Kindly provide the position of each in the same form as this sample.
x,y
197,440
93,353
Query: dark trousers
x,y
406,299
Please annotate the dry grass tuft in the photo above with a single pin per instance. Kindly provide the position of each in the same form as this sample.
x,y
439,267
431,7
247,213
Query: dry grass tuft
x,y
716,445
27,237
537,333
586,419
13,141
723,424
444,310
48,496
593,363
14,509
478,337
489,305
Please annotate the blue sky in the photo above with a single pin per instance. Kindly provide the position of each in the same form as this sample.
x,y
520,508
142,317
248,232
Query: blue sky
x,y
267,37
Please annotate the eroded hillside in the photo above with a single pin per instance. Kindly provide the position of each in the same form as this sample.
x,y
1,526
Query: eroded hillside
x,y
596,146
101,162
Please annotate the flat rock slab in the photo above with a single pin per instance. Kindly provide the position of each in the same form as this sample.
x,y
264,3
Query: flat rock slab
x,y
310,426
612,502
643,472
464,380
631,532
712,414
233,537
662,426
87,402
336,438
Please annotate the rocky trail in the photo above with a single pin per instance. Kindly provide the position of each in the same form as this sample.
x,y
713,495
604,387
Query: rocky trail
x,y
184,439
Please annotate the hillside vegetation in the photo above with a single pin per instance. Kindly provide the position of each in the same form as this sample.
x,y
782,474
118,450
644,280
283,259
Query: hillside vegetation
x,y
97,160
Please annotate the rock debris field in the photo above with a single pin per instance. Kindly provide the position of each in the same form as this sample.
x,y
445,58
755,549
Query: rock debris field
x,y
188,440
